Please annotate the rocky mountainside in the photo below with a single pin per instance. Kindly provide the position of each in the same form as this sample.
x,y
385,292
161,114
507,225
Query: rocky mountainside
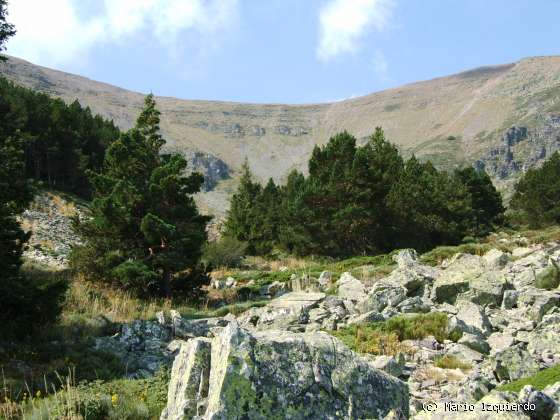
x,y
463,118
500,313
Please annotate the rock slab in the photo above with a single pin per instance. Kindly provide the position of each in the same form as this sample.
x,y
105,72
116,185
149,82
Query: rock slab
x,y
278,374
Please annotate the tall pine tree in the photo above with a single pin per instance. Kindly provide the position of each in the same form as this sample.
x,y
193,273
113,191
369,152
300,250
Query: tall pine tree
x,y
145,232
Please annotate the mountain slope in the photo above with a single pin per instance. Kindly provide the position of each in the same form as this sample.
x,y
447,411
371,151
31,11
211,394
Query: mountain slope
x,y
451,120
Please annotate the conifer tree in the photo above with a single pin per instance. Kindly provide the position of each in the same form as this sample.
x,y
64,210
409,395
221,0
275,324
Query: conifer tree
x,y
486,200
241,219
537,194
145,232
7,30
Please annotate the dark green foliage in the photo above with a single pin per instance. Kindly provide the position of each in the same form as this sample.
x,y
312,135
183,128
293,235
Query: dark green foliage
x,y
537,194
24,301
145,233
226,252
362,201
7,30
486,200
61,142
429,207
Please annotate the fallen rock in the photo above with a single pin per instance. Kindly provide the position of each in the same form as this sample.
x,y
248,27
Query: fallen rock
x,y
544,406
514,363
350,288
474,318
499,342
272,373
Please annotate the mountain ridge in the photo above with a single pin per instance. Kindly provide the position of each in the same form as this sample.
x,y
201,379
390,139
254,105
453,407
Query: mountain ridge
x,y
452,120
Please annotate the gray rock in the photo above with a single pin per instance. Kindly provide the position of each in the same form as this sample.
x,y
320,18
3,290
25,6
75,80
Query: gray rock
x,y
474,318
188,386
500,341
464,353
141,346
545,407
510,299
372,316
382,295
272,373
350,288
325,279
475,342
414,305
496,258
514,363
521,252
389,364
553,391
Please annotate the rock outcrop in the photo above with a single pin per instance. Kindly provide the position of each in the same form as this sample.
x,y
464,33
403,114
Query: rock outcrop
x,y
278,374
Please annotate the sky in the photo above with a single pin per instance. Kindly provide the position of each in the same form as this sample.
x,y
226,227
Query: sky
x,y
278,51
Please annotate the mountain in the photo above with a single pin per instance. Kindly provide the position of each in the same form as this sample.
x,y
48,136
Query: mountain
x,y
502,118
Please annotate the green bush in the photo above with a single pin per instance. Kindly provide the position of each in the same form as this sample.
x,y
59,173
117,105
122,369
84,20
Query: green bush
x,y
540,380
226,252
451,362
375,336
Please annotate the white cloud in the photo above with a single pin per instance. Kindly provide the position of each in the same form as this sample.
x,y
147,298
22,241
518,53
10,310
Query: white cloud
x,y
344,22
380,66
53,32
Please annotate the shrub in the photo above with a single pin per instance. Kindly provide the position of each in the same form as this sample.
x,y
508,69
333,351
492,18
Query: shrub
x,y
386,337
226,252
451,362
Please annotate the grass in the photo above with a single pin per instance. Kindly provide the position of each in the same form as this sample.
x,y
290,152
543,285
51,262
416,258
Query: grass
x,y
386,337
141,399
539,381
451,362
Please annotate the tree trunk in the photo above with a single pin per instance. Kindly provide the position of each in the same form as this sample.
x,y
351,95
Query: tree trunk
x,y
167,284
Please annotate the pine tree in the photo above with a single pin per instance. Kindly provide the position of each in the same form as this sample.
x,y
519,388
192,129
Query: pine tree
x,y
241,218
7,30
486,200
537,194
145,232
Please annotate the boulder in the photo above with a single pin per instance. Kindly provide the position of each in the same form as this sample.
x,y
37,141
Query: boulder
x,y
514,363
549,277
411,275
474,318
499,342
488,288
141,346
325,279
350,288
475,342
188,386
545,407
510,299
538,302
288,310
371,316
382,295
464,353
553,391
389,364
496,258
521,252
414,305
274,374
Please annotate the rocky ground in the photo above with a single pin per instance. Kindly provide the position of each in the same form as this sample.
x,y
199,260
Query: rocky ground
x,y
48,218
283,361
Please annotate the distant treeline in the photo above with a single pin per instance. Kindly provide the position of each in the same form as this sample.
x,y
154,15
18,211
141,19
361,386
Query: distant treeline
x,y
363,200
61,142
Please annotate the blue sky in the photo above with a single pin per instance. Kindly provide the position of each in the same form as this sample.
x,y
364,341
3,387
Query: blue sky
x,y
280,51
